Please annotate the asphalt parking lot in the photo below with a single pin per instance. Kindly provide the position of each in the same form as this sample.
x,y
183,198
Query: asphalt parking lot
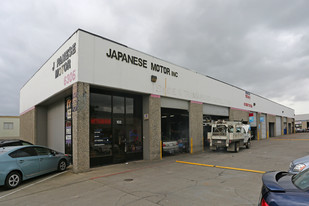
x,y
183,179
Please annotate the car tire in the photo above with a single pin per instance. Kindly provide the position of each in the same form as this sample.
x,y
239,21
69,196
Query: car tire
x,y
62,165
12,180
236,147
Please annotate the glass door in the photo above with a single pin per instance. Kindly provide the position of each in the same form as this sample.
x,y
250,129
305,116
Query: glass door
x,y
119,129
115,128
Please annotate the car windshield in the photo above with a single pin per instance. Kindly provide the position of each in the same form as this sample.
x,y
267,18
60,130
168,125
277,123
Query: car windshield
x,y
301,180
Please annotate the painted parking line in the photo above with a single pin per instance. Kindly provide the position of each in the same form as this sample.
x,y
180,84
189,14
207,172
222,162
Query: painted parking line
x,y
222,167
22,188
292,139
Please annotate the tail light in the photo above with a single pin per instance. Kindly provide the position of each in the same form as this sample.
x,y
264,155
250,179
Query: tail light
x,y
263,203
164,145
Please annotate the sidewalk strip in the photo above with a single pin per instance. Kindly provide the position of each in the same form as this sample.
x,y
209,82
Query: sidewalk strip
x,y
222,167
117,173
128,171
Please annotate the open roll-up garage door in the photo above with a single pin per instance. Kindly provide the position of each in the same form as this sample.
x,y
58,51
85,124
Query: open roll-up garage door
x,y
278,126
215,110
212,113
174,103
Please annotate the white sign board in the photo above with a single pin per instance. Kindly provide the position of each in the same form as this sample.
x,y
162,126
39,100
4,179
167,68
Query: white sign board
x,y
58,73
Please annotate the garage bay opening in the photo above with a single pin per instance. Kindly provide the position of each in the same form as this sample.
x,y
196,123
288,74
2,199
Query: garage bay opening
x,y
174,131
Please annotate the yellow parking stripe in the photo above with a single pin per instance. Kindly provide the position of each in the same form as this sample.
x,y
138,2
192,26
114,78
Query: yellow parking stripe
x,y
229,168
291,139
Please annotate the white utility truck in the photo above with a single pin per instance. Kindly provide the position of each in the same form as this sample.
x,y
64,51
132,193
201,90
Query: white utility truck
x,y
229,135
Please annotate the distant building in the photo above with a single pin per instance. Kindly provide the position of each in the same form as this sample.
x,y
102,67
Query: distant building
x,y
9,126
301,122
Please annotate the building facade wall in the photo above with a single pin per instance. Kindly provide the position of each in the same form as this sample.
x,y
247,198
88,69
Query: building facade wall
x,y
271,118
196,126
152,127
282,125
80,117
258,124
239,115
27,126
98,57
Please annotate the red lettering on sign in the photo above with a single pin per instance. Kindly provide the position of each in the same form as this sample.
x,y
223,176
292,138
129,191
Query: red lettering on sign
x,y
100,121
69,78
248,105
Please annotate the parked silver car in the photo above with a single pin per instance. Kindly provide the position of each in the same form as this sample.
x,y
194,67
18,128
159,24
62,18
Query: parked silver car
x,y
299,165
170,147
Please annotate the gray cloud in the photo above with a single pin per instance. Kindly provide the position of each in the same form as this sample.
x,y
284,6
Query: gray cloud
x,y
259,46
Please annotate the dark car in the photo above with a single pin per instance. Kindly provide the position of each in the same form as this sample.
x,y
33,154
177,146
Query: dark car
x,y
284,189
13,142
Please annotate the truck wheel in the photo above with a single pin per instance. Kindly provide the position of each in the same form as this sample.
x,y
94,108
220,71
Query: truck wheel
x,y
248,145
236,147
213,148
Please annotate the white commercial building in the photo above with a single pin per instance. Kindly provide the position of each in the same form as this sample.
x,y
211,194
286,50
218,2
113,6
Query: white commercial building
x,y
105,102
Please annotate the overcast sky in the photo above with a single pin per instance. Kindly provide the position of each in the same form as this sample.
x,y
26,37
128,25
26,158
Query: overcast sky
x,y
260,46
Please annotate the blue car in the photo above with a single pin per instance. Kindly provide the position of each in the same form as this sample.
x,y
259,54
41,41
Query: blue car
x,y
24,162
284,189
299,165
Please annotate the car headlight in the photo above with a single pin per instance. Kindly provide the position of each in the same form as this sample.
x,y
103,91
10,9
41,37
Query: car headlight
x,y
299,167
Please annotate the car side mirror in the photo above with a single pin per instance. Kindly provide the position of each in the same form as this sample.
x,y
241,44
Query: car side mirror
x,y
53,153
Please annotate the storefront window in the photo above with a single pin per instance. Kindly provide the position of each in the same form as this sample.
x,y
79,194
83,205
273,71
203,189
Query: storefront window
x,y
100,129
115,128
133,127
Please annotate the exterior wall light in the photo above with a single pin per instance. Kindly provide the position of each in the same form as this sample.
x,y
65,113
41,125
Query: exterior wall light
x,y
153,78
